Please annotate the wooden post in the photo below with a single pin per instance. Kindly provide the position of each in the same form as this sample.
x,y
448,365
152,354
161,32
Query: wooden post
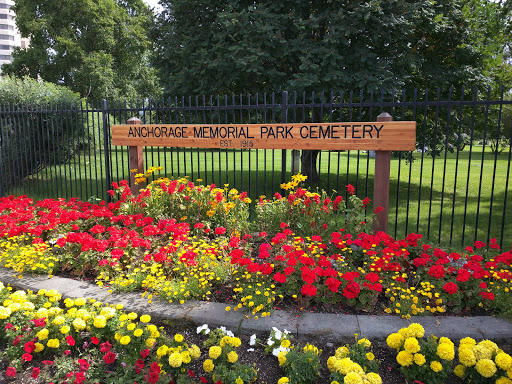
x,y
136,161
381,183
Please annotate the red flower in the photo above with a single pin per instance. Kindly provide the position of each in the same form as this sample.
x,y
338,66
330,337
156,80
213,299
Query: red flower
x,y
35,372
351,189
203,379
29,347
105,347
372,277
191,373
153,377
450,288
47,362
144,353
487,295
351,291
155,367
483,285
67,352
308,290
84,365
70,340
333,284
220,230
79,378
463,275
109,357
10,372
337,202
378,210
280,277
366,201
436,271
26,357
95,340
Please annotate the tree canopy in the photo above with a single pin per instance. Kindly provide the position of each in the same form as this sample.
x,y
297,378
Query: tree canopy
x,y
98,48
239,46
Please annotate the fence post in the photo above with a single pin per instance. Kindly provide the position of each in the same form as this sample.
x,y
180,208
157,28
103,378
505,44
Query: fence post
x,y
381,183
136,160
106,146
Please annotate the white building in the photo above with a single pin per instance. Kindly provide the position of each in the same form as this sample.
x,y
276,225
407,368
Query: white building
x,y
9,35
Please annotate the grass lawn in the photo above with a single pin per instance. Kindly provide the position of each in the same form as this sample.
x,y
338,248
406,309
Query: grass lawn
x,y
450,203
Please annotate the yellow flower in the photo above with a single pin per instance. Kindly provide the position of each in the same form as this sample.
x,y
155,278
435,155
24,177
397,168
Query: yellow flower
x,y
446,351
503,361
283,380
79,324
42,334
150,342
178,338
436,366
232,357
175,360
208,365
59,320
162,351
145,318
53,343
459,371
370,356
131,326
353,378
331,362
64,330
404,358
285,343
395,340
467,357
486,367
39,347
100,321
416,330
342,352
195,352
411,345
125,340
239,381
185,355
365,341
138,332
281,357
419,359
373,378
215,352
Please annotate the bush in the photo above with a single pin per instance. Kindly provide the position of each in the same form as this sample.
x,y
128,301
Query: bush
x,y
37,126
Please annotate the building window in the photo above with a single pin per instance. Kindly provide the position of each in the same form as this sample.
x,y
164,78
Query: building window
x,y
8,27
5,47
5,16
5,57
7,37
5,6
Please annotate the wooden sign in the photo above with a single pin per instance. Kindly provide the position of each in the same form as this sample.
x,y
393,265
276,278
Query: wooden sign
x,y
382,136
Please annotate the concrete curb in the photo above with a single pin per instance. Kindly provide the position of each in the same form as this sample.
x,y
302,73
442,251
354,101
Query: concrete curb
x,y
317,327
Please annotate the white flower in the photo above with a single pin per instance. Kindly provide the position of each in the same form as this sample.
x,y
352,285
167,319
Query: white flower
x,y
278,334
204,328
270,341
252,340
276,351
250,350
227,332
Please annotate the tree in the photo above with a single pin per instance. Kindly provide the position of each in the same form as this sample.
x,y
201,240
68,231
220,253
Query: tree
x,y
240,46
98,48
38,127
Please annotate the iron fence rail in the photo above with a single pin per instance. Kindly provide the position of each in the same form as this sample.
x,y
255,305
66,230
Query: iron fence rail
x,y
453,189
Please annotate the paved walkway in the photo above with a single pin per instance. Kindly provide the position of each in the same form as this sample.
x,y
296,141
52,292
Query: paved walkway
x,y
317,327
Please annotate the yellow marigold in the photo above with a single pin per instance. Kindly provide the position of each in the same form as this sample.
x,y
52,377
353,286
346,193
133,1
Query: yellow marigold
x,y
365,341
225,340
79,324
175,360
232,357
467,341
150,342
353,378
42,334
58,320
486,367
342,352
195,352
395,340
285,343
445,340
419,359
446,351
208,365
312,348
145,318
162,351
343,365
236,342
503,380
405,358
131,326
281,357
214,352
53,343
481,351
459,370
132,316
138,332
490,345
370,356
467,357
100,321
80,301
283,380
185,355
178,338
373,378
125,340
39,347
436,366
64,329
503,361
331,362
411,345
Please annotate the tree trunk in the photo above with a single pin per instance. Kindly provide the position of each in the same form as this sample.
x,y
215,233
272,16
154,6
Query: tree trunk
x,y
309,157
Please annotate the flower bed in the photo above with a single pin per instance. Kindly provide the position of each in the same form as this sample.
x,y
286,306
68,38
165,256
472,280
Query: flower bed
x,y
85,341
179,241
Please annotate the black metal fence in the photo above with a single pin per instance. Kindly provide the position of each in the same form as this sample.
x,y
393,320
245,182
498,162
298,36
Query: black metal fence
x,y
453,189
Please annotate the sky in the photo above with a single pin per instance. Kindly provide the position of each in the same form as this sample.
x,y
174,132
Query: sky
x,y
153,4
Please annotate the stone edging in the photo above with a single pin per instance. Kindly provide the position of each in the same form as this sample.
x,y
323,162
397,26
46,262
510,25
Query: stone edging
x,y
317,327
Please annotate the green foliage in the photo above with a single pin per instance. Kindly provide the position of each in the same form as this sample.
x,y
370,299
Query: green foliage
x,y
247,46
303,367
97,48
34,133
